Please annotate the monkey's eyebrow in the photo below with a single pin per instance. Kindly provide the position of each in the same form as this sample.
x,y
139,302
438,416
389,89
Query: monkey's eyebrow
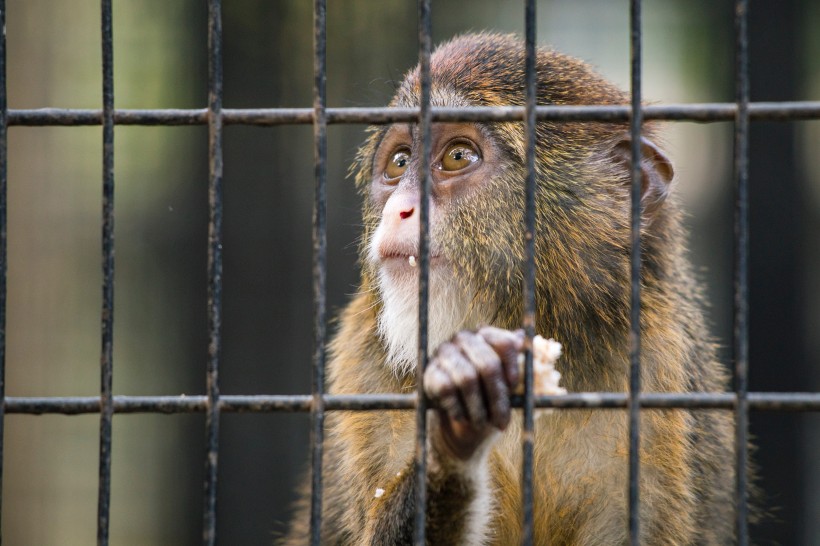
x,y
390,130
486,130
410,128
483,128
379,132
383,132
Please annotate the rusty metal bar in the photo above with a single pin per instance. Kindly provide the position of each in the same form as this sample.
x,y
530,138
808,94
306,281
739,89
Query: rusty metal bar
x,y
319,265
212,409
740,335
528,429
107,314
425,122
276,403
636,120
693,112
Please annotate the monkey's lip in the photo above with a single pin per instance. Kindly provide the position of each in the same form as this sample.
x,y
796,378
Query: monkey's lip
x,y
399,259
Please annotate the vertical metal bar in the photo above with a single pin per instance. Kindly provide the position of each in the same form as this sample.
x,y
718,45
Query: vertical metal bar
x,y
214,264
319,264
3,233
635,276
106,360
740,342
529,284
425,123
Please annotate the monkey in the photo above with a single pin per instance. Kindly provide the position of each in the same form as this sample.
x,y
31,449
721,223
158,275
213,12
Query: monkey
x,y
582,290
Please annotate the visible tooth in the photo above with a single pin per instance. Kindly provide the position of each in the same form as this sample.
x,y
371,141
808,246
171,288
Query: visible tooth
x,y
412,261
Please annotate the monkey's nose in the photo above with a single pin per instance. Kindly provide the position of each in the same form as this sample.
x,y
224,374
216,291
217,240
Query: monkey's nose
x,y
405,214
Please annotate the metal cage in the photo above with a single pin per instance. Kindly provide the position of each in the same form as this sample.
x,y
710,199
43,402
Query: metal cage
x,y
318,402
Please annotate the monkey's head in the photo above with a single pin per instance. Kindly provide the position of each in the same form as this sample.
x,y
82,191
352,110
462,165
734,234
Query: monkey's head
x,y
477,203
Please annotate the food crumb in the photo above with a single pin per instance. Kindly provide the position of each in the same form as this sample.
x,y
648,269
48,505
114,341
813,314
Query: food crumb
x,y
545,377
379,492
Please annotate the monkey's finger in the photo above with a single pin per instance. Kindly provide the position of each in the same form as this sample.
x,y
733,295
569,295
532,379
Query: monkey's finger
x,y
466,379
491,373
442,391
508,344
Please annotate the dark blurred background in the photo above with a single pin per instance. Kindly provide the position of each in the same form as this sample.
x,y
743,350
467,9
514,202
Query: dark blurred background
x,y
50,471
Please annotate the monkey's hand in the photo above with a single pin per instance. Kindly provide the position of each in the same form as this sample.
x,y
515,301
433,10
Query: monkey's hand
x,y
469,379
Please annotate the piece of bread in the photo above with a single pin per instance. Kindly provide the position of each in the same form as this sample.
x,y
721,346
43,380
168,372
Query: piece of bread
x,y
545,352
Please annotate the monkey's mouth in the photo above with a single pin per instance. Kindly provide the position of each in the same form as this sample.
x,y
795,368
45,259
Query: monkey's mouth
x,y
401,257
404,261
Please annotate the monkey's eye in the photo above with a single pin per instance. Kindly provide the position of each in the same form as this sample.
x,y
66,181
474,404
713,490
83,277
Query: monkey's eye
x,y
458,156
397,164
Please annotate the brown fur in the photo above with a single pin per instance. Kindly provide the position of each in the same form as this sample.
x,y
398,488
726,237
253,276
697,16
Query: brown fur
x,y
582,276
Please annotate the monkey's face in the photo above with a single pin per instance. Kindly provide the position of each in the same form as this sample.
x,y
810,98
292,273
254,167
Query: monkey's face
x,y
464,160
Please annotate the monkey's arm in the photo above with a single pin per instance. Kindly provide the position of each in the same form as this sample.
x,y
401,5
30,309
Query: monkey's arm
x,y
457,504
469,380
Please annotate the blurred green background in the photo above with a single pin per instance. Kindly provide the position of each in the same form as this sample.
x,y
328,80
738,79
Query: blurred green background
x,y
54,296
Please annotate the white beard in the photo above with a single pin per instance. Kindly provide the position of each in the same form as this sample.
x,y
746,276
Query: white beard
x,y
450,309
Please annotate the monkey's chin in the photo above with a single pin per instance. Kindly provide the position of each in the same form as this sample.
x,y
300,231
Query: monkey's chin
x,y
451,308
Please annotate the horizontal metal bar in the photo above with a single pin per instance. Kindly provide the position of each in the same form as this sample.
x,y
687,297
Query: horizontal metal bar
x,y
766,401
91,404
697,112
72,117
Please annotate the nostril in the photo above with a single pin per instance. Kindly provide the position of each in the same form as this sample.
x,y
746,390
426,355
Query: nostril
x,y
405,214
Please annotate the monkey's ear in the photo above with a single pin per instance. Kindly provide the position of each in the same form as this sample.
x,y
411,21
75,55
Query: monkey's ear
x,y
656,171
